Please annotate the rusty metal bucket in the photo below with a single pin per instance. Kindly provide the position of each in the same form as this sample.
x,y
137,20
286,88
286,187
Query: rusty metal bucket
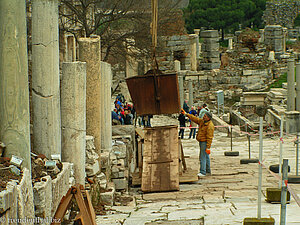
x,y
154,94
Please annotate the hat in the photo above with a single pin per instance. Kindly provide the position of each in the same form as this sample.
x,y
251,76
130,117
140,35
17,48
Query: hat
x,y
209,115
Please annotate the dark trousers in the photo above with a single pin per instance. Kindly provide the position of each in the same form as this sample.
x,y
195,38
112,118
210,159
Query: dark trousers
x,y
181,132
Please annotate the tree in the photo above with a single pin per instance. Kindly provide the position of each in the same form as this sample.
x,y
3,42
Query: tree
x,y
117,22
223,14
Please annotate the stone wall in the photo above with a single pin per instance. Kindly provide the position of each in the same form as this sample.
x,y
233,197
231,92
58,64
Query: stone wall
x,y
281,13
172,48
16,202
48,193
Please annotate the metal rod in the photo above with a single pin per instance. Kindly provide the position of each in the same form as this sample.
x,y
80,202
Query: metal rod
x,y
281,148
249,146
231,137
297,153
284,192
260,167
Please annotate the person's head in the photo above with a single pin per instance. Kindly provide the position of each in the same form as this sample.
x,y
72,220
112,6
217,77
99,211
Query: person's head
x,y
207,116
204,106
192,108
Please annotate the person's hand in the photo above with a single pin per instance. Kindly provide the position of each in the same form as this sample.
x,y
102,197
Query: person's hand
x,y
207,151
183,112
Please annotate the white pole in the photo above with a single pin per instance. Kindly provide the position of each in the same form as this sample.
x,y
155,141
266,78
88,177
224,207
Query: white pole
x,y
260,167
281,147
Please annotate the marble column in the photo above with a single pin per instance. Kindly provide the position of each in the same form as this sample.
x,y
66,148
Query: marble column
x,y
230,43
285,35
70,48
14,94
198,47
291,85
193,51
298,86
191,91
89,52
73,116
180,81
106,129
45,77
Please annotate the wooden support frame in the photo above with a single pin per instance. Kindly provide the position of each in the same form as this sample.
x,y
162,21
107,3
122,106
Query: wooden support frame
x,y
86,213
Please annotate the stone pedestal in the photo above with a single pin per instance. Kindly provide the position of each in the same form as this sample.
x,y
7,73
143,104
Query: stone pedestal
x,y
45,77
106,129
89,52
292,122
73,116
210,49
14,96
298,86
274,37
272,56
291,85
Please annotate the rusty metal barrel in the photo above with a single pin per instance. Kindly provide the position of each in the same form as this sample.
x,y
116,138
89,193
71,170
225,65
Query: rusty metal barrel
x,y
154,94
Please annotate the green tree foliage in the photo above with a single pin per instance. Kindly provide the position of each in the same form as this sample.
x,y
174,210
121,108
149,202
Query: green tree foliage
x,y
224,14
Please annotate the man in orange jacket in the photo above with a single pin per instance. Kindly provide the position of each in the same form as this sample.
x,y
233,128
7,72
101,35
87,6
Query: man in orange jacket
x,y
204,136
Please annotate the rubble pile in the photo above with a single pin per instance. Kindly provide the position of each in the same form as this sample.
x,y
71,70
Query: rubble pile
x,y
249,38
41,166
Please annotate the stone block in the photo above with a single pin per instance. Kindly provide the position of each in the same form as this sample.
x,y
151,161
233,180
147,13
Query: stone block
x,y
209,34
210,66
211,54
208,41
210,47
101,180
42,192
120,151
108,197
214,60
92,169
120,184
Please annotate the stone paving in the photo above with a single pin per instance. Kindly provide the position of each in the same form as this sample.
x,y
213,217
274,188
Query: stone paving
x,y
226,197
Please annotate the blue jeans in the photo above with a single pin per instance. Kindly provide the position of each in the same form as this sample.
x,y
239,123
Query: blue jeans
x,y
193,131
204,159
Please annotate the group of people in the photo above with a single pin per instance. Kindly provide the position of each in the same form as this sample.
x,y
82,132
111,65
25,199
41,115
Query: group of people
x,y
123,113
205,134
